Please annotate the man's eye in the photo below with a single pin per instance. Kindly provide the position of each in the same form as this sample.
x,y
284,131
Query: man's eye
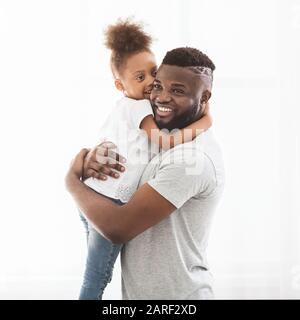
x,y
177,91
154,73
156,86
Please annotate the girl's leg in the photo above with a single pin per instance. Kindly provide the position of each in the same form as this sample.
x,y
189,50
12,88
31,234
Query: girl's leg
x,y
101,257
85,225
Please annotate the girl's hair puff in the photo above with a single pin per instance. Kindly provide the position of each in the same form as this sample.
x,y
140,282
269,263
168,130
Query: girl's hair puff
x,y
125,38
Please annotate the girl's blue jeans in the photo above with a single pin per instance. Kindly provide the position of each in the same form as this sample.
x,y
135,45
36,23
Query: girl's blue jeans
x,y
101,257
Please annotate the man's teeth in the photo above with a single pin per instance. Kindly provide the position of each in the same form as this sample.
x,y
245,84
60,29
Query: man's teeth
x,y
163,109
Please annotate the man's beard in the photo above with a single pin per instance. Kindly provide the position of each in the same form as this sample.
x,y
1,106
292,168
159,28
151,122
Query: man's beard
x,y
181,121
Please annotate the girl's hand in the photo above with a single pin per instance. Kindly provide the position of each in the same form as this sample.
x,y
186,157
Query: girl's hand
x,y
206,109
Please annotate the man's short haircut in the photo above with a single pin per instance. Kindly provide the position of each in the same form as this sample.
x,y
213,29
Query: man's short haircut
x,y
188,57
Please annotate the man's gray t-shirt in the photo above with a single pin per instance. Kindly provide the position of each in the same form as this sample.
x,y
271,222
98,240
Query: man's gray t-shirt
x,y
168,260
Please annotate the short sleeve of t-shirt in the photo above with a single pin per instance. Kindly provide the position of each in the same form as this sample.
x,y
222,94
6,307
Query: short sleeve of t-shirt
x,y
182,174
136,111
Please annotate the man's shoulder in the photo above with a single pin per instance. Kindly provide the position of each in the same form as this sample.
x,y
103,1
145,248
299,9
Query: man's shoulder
x,y
199,159
188,171
203,147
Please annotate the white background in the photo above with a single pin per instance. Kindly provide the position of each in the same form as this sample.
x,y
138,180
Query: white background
x,y
55,89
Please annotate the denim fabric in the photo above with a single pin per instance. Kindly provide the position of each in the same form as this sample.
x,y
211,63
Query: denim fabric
x,y
101,257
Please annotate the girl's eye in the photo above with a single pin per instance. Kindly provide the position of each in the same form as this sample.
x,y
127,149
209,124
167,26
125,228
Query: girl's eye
x,y
154,73
140,78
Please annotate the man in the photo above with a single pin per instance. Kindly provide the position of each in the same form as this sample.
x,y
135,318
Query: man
x,y
166,223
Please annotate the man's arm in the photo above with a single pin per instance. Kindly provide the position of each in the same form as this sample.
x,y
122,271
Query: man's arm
x,y
118,224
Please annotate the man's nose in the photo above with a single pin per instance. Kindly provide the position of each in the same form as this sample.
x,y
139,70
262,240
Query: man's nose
x,y
163,96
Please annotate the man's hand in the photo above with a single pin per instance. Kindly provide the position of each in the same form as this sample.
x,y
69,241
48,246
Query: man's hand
x,y
102,161
76,167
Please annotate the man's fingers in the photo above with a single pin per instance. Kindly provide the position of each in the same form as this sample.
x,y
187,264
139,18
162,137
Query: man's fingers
x,y
107,144
108,171
99,175
118,167
95,174
109,153
80,156
118,157
101,151
95,165
83,152
106,168
106,160
101,172
102,160
89,173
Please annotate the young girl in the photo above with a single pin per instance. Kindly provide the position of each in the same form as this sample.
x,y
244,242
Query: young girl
x,y
132,128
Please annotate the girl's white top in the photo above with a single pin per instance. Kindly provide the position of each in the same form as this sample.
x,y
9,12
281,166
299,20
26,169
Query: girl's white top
x,y
122,127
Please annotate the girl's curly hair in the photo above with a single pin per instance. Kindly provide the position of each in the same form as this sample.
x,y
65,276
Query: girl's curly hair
x,y
125,38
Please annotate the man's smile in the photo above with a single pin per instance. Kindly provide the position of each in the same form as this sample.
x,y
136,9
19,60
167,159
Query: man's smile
x,y
163,110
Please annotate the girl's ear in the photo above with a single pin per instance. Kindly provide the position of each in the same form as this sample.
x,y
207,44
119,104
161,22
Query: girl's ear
x,y
119,85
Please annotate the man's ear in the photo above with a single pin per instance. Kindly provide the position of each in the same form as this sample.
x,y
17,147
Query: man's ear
x,y
204,100
205,96
119,85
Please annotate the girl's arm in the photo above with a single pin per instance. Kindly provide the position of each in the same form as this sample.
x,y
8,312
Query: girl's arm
x,y
170,140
